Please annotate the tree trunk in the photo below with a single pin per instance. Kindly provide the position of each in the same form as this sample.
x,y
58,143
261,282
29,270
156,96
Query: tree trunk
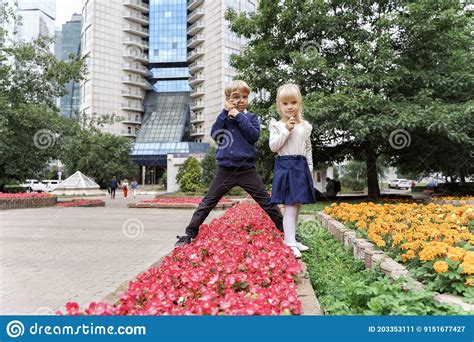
x,y
462,176
372,178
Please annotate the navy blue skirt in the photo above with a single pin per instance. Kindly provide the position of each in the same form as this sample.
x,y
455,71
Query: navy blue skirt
x,y
292,181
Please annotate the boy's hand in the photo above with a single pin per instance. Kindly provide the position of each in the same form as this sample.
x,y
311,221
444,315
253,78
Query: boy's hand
x,y
233,113
290,124
229,105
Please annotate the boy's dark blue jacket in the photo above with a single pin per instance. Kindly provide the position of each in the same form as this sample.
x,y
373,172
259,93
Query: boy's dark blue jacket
x,y
235,139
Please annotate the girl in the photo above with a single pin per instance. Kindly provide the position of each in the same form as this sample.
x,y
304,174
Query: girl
x,y
125,187
292,176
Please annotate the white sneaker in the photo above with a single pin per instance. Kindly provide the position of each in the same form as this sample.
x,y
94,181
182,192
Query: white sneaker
x,y
301,247
296,252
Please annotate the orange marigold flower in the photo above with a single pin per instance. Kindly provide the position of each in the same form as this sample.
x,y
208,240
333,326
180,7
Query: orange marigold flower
x,y
440,266
456,253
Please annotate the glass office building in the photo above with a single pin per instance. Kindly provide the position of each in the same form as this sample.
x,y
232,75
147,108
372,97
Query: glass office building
x,y
165,126
67,43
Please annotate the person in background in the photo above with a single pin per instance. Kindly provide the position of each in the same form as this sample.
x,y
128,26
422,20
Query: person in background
x,y
113,185
330,188
125,188
134,186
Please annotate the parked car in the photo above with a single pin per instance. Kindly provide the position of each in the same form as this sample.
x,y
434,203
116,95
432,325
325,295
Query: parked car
x,y
33,185
46,185
50,184
399,184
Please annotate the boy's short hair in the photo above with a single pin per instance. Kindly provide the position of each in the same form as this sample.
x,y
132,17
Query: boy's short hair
x,y
236,86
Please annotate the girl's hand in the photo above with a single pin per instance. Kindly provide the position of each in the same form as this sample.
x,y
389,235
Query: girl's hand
x,y
290,124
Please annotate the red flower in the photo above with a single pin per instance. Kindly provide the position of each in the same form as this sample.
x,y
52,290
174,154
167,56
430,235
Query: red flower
x,y
238,265
79,203
25,195
183,200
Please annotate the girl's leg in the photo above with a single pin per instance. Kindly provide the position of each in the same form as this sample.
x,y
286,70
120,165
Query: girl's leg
x,y
289,224
300,246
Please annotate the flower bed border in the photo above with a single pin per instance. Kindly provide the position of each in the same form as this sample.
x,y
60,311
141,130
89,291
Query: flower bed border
x,y
372,256
85,205
176,205
24,203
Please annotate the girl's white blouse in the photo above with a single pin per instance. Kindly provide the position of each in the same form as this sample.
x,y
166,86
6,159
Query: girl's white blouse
x,y
298,142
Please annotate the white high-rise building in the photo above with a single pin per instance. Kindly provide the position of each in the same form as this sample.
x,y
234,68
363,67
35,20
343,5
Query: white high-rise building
x,y
114,42
211,43
37,18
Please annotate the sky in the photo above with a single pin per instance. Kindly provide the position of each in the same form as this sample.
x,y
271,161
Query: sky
x,y
65,9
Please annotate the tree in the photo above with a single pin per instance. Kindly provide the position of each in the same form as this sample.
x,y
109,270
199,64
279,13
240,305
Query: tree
x,y
191,175
372,72
30,79
98,155
208,165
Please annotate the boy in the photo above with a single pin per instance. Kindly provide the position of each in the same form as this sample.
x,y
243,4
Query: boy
x,y
235,131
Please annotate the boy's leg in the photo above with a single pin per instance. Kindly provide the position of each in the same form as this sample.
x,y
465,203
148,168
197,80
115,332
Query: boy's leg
x,y
251,182
222,182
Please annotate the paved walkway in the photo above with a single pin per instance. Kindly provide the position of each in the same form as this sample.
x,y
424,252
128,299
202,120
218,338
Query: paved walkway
x,y
50,256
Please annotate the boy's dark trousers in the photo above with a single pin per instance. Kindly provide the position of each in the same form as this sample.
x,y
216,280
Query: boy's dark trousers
x,y
224,180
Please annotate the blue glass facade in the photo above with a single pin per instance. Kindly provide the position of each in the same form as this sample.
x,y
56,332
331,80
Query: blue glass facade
x,y
166,123
168,24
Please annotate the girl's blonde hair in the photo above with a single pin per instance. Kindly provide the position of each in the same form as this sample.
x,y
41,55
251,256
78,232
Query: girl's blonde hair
x,y
290,91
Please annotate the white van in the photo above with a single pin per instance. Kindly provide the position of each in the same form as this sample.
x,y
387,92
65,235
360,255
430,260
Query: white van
x,y
46,185
50,184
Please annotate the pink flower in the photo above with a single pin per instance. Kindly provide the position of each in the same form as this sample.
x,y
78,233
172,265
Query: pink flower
x,y
238,265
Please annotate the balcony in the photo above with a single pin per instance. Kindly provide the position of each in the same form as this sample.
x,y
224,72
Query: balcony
x,y
197,132
135,56
197,118
192,5
197,92
195,41
136,81
136,29
195,54
195,15
136,67
197,105
195,67
137,4
194,80
136,107
143,44
133,94
195,28
132,120
136,17
126,133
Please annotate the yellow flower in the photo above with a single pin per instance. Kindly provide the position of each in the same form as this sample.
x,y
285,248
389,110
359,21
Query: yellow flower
x,y
469,281
440,266
455,253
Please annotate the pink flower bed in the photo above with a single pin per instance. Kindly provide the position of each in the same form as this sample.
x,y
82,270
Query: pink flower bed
x,y
81,203
25,195
238,265
183,200
250,197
